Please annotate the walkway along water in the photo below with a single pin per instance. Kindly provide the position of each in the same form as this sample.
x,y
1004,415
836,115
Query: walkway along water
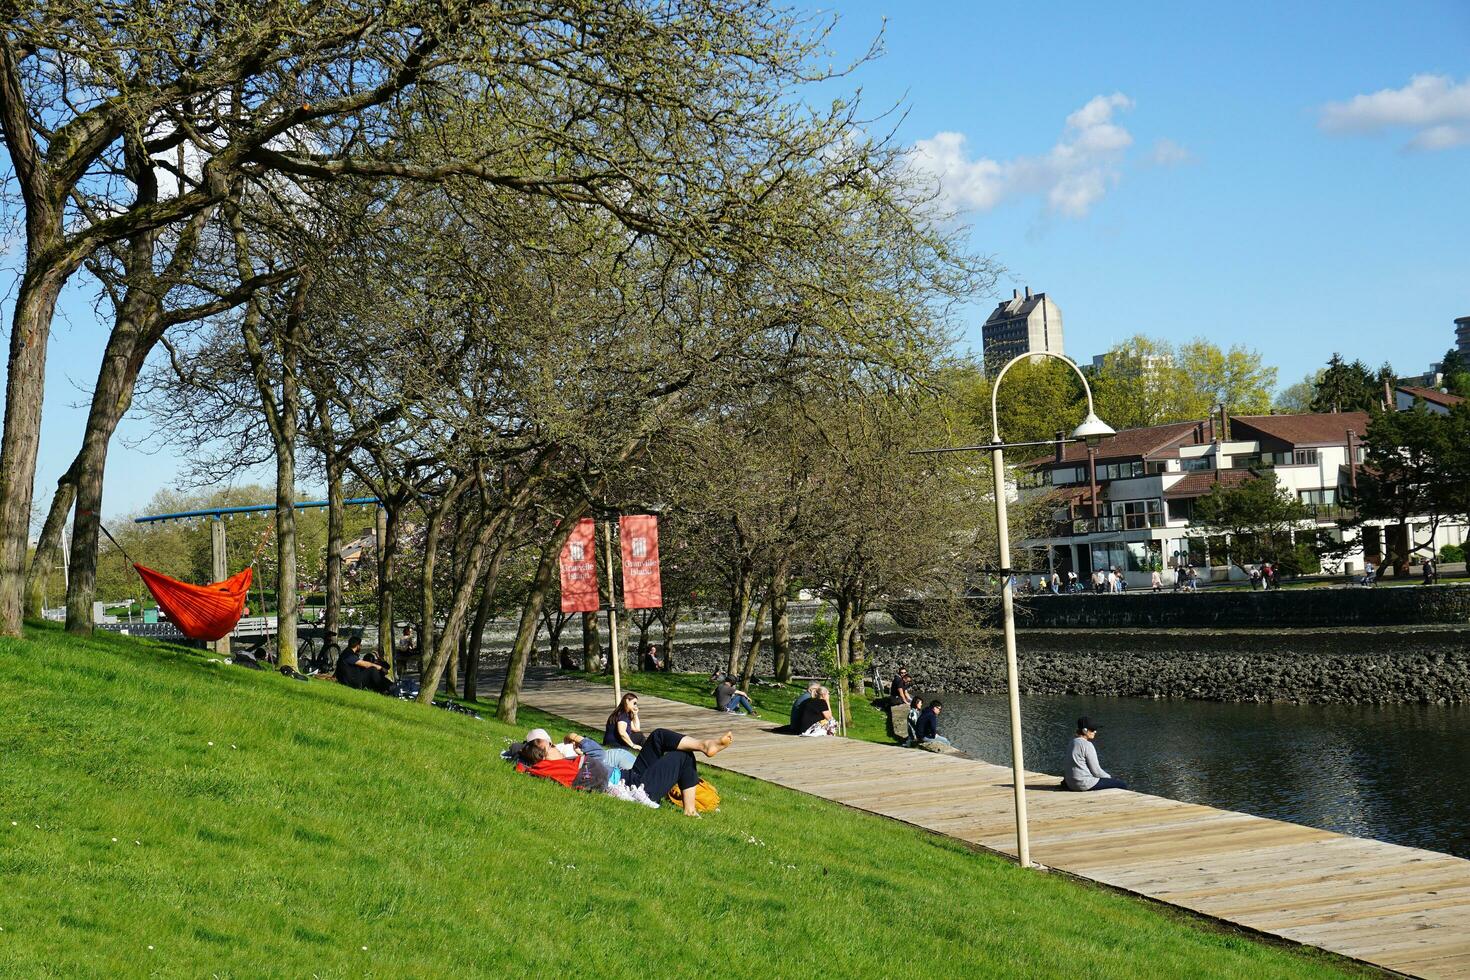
x,y
1397,907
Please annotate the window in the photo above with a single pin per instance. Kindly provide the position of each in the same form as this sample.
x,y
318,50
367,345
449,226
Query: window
x,y
1137,514
1068,475
1195,463
1120,471
1304,457
1327,495
1181,510
1155,466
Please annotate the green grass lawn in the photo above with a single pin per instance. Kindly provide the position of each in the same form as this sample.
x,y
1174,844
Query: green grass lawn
x,y
164,815
868,723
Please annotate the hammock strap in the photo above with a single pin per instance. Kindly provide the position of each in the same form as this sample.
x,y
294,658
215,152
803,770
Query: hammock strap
x,y
115,544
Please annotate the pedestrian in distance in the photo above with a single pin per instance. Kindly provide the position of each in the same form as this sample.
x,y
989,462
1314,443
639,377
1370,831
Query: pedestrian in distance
x,y
730,698
1084,772
1156,581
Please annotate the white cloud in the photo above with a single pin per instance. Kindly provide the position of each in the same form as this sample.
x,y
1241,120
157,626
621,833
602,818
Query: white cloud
x,y
1167,153
1072,176
1434,105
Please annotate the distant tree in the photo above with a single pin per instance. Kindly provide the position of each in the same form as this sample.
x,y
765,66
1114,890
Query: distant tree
x,y
1257,517
1297,399
1037,398
1235,378
1140,383
1416,470
1344,387
1456,370
1144,381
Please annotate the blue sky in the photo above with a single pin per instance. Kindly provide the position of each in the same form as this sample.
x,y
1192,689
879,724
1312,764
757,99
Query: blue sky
x,y
1264,217
1258,225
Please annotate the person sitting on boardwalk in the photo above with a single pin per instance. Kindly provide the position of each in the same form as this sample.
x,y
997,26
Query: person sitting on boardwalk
x,y
728,697
1083,770
815,718
915,710
623,738
927,729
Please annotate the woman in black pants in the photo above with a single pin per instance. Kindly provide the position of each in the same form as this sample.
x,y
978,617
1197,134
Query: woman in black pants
x,y
667,760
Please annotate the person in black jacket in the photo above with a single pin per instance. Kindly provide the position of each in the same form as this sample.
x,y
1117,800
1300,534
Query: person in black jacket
x,y
928,727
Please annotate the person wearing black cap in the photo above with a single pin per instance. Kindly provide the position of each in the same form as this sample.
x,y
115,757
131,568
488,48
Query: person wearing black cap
x,y
1084,772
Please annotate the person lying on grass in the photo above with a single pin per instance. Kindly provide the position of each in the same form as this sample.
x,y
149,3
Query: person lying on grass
x,y
666,760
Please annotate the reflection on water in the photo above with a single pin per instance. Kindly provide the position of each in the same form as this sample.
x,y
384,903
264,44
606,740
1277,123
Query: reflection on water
x,y
1398,773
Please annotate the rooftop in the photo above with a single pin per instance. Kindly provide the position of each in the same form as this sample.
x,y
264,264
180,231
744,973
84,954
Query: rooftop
x,y
1017,306
1431,395
1128,443
1322,429
1201,482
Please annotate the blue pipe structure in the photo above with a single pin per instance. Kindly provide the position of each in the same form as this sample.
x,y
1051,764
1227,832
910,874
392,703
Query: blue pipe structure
x,y
217,512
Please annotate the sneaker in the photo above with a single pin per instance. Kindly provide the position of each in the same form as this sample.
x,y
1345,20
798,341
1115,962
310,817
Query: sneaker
x,y
639,796
620,791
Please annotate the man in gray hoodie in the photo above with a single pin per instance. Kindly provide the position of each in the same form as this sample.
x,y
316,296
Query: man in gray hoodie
x,y
1083,770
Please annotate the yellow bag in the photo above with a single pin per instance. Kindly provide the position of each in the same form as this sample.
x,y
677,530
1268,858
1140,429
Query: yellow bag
x,y
706,798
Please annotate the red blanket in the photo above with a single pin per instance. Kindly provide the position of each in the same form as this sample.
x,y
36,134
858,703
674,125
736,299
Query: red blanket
x,y
561,770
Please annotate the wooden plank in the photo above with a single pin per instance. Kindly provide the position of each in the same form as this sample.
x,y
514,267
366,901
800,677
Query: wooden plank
x,y
1398,907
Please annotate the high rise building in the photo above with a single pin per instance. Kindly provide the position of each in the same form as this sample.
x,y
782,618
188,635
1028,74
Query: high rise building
x,y
1021,325
1462,335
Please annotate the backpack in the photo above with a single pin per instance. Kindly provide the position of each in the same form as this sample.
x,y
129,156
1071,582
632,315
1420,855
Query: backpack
x,y
706,798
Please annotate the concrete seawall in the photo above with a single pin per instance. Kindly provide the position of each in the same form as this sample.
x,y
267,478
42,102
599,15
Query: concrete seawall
x,y
1332,608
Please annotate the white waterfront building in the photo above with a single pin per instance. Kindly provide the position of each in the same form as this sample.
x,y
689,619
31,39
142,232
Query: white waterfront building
x,y
1128,504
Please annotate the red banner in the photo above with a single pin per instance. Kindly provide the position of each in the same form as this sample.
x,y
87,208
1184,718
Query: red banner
x,y
642,588
579,569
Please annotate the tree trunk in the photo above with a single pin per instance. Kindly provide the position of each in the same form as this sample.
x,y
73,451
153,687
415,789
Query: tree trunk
x,y
286,612
844,653
670,622
482,618
459,607
781,621
515,669
591,641
48,546
335,518
756,622
739,614
386,543
25,384
433,664
133,335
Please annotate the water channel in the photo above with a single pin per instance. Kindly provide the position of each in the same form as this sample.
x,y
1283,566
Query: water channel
x,y
1397,773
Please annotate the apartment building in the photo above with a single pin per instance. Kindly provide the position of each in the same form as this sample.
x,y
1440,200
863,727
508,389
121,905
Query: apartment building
x,y
1021,325
1129,503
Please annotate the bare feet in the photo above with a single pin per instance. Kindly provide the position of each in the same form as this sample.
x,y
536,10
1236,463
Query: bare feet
x,y
692,813
713,746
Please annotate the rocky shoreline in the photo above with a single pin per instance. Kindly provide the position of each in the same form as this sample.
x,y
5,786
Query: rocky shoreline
x,y
1353,666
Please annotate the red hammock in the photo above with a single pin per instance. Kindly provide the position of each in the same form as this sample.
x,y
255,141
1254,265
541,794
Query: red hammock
x,y
201,612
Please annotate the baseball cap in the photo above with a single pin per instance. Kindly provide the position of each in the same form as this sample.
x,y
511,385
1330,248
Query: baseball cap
x,y
536,733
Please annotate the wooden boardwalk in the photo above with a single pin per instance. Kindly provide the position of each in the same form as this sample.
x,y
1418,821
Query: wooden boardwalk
x,y
1397,907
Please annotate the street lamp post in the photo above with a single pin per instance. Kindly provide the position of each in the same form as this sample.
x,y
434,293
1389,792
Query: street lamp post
x,y
1092,430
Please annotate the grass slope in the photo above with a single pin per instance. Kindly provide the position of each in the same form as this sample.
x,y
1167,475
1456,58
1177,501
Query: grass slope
x,y
164,815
